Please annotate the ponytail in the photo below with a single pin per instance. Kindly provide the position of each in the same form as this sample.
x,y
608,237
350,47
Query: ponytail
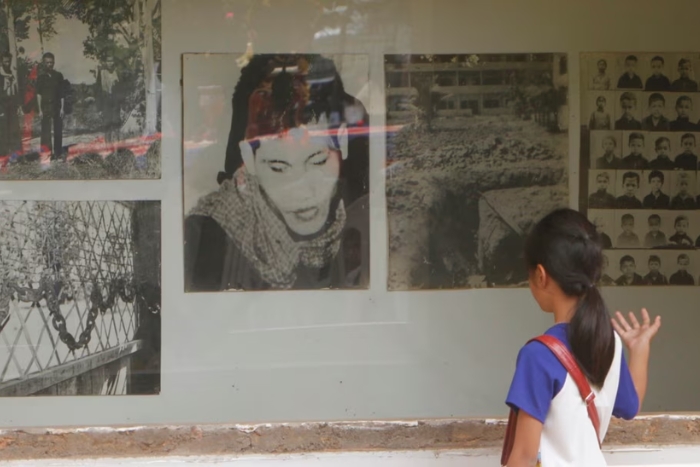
x,y
567,245
591,336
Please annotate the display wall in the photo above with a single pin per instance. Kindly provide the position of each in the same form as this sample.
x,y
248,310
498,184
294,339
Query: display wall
x,y
262,356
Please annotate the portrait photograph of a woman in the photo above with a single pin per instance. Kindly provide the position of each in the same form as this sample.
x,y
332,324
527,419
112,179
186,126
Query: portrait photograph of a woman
x,y
279,199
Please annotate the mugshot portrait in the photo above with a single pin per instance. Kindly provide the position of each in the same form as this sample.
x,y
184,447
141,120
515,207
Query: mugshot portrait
x,y
281,200
604,221
606,150
629,194
600,108
602,189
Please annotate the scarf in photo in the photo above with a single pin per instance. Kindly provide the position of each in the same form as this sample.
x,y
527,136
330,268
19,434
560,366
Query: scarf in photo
x,y
240,208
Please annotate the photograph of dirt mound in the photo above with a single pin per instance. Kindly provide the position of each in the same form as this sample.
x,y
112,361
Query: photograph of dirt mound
x,y
477,152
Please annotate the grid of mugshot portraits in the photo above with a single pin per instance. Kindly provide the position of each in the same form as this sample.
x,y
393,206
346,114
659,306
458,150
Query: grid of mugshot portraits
x,y
646,229
650,267
675,190
641,92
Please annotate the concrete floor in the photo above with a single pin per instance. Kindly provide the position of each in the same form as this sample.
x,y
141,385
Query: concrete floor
x,y
629,457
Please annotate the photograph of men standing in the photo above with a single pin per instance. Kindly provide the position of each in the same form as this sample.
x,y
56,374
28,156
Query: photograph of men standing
x,y
10,109
50,99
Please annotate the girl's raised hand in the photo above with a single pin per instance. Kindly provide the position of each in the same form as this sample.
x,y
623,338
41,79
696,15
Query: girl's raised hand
x,y
632,333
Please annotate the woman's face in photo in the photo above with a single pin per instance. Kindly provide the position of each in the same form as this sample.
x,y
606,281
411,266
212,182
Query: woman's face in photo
x,y
299,173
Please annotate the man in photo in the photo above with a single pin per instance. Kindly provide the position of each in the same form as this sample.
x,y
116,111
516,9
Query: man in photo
x,y
50,100
684,106
630,79
605,279
629,276
10,108
601,80
681,238
635,160
655,237
109,99
657,81
628,239
682,276
608,161
656,121
683,199
655,276
684,83
605,241
662,161
628,102
600,118
601,199
687,160
656,199
630,185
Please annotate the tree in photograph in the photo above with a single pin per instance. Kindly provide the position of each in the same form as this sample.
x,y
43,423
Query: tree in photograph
x,y
129,32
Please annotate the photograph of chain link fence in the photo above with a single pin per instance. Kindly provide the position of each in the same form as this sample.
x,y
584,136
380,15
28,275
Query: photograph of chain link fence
x,y
79,298
477,151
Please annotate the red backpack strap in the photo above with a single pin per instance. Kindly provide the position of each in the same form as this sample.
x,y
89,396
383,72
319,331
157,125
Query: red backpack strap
x,y
509,438
568,361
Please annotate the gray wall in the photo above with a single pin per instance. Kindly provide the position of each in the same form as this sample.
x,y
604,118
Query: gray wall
x,y
253,357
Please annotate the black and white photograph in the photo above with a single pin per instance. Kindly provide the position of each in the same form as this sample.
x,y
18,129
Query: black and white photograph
x,y
656,190
649,162
81,86
604,221
606,150
681,267
601,110
634,150
629,194
602,189
627,267
662,149
628,229
276,183
477,151
80,298
683,194
658,110
687,151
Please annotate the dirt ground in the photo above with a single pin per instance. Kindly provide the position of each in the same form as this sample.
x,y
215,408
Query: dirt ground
x,y
435,180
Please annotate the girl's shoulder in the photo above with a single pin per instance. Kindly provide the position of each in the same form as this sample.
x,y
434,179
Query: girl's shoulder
x,y
535,357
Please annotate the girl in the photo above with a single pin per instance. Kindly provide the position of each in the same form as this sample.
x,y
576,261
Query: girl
x,y
553,428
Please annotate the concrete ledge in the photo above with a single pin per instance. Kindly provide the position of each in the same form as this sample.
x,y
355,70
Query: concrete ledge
x,y
161,441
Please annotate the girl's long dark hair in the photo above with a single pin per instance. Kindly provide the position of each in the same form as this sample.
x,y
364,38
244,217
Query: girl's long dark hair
x,y
566,244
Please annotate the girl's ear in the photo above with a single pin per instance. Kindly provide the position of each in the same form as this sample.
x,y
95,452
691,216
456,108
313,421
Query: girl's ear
x,y
541,276
248,156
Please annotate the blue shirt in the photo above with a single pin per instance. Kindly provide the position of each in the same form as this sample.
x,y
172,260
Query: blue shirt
x,y
539,376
